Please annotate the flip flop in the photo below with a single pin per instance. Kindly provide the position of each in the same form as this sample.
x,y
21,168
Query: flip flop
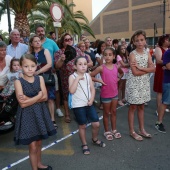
x,y
135,136
144,134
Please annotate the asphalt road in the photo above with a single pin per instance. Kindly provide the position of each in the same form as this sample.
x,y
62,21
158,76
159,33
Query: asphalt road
x,y
63,151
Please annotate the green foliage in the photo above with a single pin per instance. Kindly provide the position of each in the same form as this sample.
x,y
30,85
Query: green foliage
x,y
5,36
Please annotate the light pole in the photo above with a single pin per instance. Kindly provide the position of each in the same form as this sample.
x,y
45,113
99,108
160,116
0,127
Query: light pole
x,y
8,14
164,10
155,32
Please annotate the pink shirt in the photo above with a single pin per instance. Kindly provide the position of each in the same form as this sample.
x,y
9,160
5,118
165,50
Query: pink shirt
x,y
124,69
110,78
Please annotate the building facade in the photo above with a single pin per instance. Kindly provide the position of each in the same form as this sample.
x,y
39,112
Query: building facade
x,y
121,18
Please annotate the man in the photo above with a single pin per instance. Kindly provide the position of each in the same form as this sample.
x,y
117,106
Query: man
x,y
165,93
115,44
108,42
16,49
52,47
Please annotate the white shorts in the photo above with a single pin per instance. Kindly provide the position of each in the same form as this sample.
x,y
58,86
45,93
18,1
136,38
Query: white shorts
x,y
56,81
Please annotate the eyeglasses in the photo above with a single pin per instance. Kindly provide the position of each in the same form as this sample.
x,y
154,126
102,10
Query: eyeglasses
x,y
68,39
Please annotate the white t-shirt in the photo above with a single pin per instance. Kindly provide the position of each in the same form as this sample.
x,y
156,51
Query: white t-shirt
x,y
79,99
5,71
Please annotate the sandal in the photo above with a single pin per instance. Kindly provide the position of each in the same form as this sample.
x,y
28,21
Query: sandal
x,y
55,125
144,134
98,143
135,136
67,119
116,134
86,151
108,135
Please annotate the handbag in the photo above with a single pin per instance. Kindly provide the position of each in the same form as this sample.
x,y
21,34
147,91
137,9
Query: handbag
x,y
70,53
48,79
70,100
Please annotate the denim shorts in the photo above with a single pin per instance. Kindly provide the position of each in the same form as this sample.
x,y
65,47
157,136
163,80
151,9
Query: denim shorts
x,y
166,93
85,114
51,92
109,100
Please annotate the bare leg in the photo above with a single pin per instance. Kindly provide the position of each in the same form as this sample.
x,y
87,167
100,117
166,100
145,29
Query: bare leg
x,y
131,112
39,145
113,114
106,112
158,100
33,150
123,89
95,130
141,116
161,111
82,134
51,108
67,114
120,85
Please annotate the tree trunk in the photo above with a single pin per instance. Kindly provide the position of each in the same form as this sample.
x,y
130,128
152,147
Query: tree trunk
x,y
21,23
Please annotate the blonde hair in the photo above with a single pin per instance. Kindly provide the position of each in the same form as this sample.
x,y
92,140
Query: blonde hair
x,y
80,43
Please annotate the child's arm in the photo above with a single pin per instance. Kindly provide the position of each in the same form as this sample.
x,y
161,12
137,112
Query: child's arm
x,y
150,68
43,89
73,83
23,100
158,55
120,71
90,102
133,64
125,65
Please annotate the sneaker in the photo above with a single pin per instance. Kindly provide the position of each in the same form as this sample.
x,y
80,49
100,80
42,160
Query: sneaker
x,y
59,112
160,127
167,110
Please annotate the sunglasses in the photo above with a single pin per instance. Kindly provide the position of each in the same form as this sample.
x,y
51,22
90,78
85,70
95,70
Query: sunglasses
x,y
68,39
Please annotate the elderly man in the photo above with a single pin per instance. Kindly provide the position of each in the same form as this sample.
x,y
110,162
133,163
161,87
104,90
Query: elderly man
x,y
16,49
108,42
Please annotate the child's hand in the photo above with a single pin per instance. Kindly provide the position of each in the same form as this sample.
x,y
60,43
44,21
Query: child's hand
x,y
90,102
102,82
80,77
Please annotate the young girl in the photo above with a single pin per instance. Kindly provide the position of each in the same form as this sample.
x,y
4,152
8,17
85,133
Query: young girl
x,y
33,122
109,92
15,73
82,88
138,84
122,61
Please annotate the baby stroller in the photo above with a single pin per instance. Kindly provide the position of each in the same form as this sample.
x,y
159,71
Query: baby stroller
x,y
8,112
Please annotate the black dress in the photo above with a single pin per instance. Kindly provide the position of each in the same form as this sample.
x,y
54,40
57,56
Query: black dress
x,y
33,123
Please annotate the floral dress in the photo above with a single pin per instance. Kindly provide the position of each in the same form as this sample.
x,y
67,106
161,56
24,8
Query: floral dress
x,y
138,87
65,71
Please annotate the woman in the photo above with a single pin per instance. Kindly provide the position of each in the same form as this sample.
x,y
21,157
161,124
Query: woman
x,y
44,66
66,69
4,68
81,46
163,44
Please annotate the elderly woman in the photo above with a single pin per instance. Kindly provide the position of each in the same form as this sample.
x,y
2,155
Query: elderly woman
x,y
163,44
4,65
66,69
44,66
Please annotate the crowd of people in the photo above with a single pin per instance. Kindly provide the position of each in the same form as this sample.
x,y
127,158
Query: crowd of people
x,y
119,71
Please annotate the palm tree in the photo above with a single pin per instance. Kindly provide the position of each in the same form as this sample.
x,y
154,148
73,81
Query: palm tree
x,y
29,12
73,22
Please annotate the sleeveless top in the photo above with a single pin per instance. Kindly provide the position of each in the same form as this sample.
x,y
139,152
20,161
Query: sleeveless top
x,y
79,99
110,78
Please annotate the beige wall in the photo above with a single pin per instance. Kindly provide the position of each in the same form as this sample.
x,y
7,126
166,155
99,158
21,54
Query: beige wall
x,y
85,6
120,18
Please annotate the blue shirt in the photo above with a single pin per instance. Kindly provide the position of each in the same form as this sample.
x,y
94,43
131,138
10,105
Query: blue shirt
x,y
18,51
52,47
166,60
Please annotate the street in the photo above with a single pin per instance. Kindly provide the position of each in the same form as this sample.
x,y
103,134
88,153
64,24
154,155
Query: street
x,y
64,151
